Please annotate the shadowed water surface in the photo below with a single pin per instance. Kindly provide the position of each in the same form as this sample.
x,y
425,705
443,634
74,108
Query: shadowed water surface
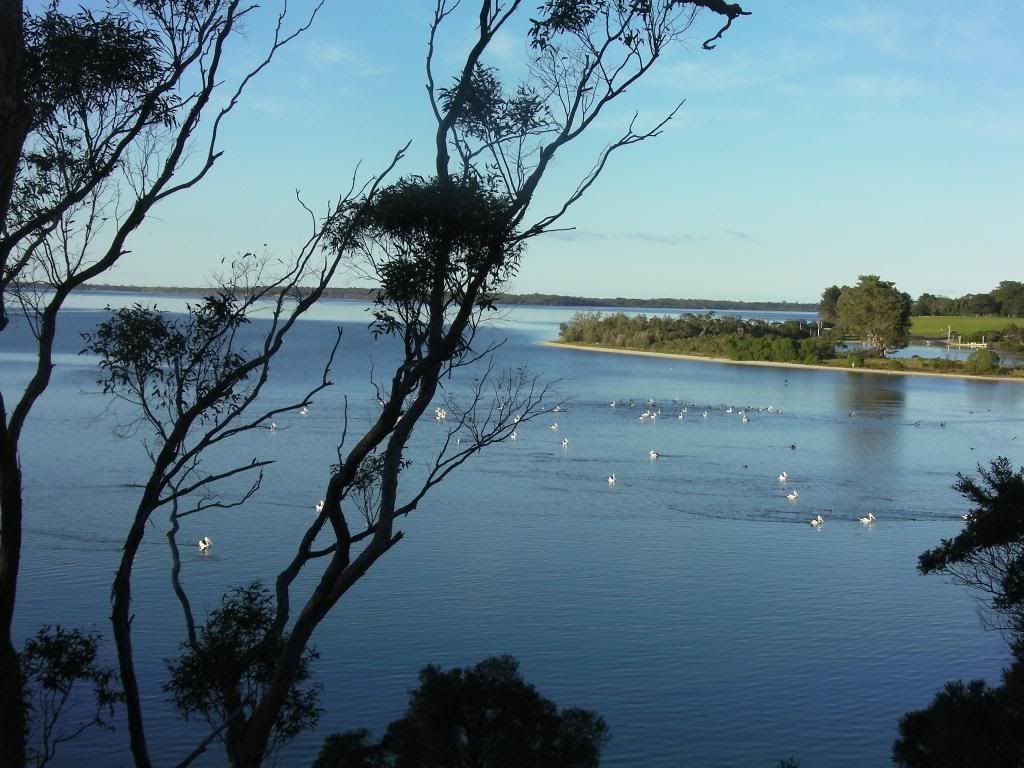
x,y
690,603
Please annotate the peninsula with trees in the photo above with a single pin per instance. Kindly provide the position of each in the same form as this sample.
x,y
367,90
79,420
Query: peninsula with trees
x,y
858,327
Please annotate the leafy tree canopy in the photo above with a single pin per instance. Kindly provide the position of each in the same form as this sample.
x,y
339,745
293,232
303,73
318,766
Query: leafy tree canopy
x,y
875,310
828,310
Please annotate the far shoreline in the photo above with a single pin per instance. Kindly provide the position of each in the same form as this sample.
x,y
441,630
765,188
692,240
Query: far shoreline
x,y
771,364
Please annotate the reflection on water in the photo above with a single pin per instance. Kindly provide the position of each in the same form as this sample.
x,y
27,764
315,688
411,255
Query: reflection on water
x,y
684,603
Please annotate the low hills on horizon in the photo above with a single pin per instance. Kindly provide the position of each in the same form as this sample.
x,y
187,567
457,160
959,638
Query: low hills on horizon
x,y
527,299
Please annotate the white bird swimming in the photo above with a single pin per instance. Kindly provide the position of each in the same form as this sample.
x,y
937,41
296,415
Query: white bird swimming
x,y
205,543
565,442
968,516
319,507
611,479
554,426
793,495
653,454
303,411
784,477
513,436
816,521
867,520
273,427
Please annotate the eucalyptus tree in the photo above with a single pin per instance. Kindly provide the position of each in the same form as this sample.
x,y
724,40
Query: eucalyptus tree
x,y
440,245
104,114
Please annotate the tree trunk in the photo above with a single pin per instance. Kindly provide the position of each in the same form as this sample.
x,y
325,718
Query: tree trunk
x,y
121,620
12,702
14,116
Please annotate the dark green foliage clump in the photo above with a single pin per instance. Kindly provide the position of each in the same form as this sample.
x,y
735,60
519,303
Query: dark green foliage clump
x,y
54,662
982,361
485,716
1007,299
223,672
967,725
876,311
148,356
972,724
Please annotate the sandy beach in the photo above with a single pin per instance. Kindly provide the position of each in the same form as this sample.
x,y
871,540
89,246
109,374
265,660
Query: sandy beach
x,y
767,364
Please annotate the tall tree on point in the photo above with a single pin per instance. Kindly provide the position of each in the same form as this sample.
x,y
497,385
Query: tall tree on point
x,y
876,311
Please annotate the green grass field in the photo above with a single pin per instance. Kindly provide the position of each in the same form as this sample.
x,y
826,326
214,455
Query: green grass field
x,y
933,327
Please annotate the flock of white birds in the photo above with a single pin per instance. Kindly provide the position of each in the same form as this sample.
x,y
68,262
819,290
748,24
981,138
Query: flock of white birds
x,y
650,414
653,412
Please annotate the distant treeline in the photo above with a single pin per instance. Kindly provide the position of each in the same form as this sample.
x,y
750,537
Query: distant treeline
x,y
531,299
554,299
733,338
1006,300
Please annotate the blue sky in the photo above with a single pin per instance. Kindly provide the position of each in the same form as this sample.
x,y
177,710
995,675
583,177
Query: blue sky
x,y
818,142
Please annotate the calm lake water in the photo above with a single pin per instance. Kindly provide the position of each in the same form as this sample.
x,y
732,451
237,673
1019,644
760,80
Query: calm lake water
x,y
690,603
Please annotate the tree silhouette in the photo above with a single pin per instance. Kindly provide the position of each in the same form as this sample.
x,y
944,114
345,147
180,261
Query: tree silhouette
x,y
973,724
440,245
484,716
104,114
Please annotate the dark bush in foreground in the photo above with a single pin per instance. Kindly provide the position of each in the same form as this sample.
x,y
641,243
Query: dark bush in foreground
x,y
967,725
485,716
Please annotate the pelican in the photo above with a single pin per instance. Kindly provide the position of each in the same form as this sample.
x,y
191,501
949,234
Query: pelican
x,y
303,411
273,427
816,521
611,479
516,419
612,403
866,520
784,477
557,409
513,436
793,495
743,418
565,442
653,454
319,507
680,415
205,543
554,426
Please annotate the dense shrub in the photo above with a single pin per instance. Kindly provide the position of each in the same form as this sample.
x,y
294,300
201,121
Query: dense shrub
x,y
982,361
710,335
